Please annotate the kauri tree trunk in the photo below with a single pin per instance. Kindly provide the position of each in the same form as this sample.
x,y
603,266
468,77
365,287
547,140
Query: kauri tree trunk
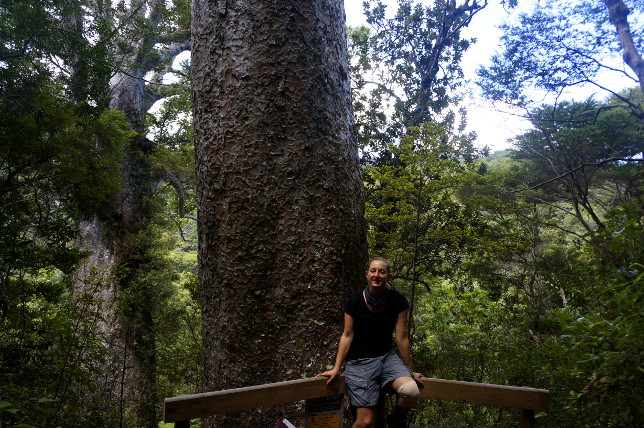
x,y
123,255
279,193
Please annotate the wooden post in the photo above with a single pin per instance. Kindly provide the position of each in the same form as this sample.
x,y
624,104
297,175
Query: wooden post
x,y
526,418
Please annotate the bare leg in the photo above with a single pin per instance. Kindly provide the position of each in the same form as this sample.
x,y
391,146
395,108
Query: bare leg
x,y
401,408
407,390
364,417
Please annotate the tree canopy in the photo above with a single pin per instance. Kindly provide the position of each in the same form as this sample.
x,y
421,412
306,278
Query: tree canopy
x,y
558,46
406,66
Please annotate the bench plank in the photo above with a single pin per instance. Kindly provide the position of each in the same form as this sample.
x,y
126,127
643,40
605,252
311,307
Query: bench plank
x,y
196,406
232,400
484,393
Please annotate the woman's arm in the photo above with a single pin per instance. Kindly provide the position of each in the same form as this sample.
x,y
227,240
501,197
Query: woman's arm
x,y
404,346
343,348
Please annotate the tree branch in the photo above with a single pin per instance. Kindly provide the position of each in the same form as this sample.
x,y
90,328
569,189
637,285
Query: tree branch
x,y
389,92
618,15
572,171
406,278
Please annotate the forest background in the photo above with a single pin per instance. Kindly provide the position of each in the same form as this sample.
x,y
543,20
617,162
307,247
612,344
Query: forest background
x,y
523,267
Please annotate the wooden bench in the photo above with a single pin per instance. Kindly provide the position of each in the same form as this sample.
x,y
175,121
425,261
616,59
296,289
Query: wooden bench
x,y
185,407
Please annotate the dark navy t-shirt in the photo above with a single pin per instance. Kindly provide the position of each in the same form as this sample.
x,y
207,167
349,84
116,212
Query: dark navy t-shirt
x,y
373,333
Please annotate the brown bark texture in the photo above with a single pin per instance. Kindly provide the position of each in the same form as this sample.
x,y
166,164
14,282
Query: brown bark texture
x,y
618,14
279,192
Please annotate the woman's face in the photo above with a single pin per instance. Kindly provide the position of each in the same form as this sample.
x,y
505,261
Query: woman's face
x,y
377,274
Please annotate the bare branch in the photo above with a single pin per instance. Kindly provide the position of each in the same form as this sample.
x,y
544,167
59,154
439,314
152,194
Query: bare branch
x,y
389,92
572,171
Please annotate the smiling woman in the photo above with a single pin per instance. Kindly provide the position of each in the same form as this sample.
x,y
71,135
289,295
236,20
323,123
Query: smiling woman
x,y
371,316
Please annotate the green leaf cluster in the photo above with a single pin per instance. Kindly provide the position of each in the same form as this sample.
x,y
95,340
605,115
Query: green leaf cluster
x,y
61,154
522,268
49,350
405,67
412,212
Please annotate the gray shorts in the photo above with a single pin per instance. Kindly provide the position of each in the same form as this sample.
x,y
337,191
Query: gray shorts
x,y
367,377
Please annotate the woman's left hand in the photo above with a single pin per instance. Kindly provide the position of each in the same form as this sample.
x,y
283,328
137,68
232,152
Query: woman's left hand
x,y
417,377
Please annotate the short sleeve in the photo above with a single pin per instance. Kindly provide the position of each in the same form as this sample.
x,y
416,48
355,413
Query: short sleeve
x,y
351,305
402,302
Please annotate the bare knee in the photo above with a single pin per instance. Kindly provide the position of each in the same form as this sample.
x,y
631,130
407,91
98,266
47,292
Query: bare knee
x,y
362,424
408,394
364,417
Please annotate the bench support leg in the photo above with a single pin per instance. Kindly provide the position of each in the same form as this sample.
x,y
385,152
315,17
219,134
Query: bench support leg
x,y
526,419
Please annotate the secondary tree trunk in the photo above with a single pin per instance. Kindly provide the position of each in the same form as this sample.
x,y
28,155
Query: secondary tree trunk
x,y
280,203
124,254
120,259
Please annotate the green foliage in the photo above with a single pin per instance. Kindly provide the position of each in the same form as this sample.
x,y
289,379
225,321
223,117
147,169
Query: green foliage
x,y
50,347
171,127
516,289
60,163
405,68
412,215
468,336
608,348
178,344
180,354
160,300
600,377
582,154
549,303
52,41
57,165
589,356
508,284
531,261
179,347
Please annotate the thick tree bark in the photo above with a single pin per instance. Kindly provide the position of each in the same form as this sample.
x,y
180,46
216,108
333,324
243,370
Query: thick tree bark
x,y
280,203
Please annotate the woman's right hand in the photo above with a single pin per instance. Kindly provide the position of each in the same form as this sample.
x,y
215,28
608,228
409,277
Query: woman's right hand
x,y
331,374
